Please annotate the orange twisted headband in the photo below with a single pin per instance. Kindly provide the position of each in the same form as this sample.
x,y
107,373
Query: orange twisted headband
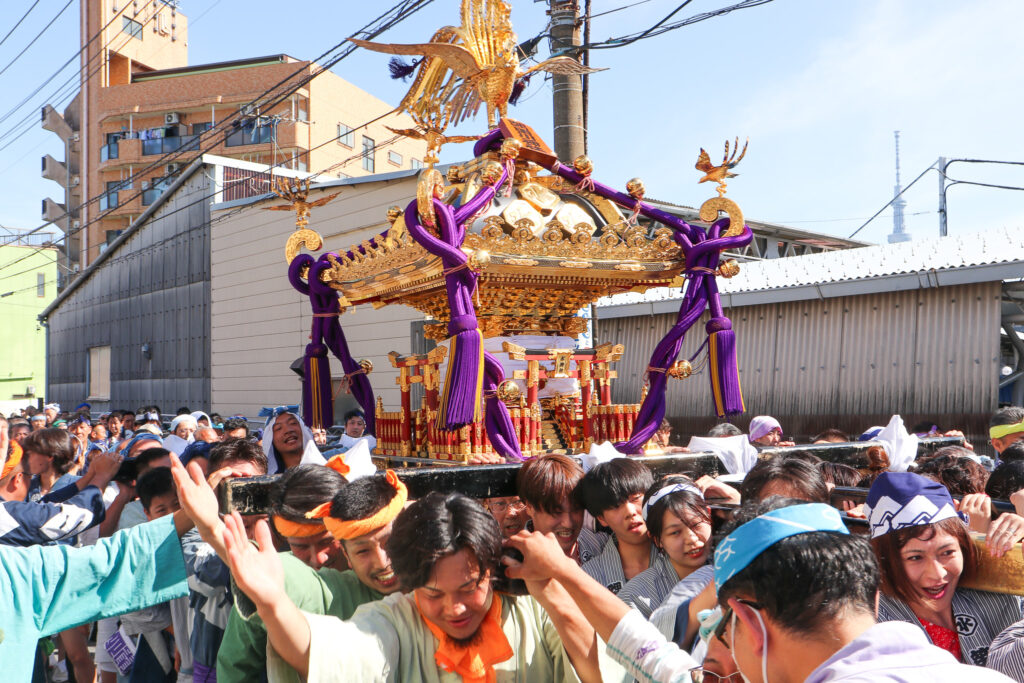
x,y
348,529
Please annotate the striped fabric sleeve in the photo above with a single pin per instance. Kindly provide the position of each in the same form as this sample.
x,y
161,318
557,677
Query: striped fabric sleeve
x,y
1006,653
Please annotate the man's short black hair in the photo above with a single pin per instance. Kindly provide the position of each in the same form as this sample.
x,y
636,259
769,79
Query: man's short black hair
x,y
184,411
147,456
797,475
237,450
233,423
1006,479
362,498
611,484
1014,451
354,413
154,482
302,488
436,526
805,581
1008,415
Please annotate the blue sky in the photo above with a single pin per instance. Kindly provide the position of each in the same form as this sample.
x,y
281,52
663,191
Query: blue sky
x,y
818,86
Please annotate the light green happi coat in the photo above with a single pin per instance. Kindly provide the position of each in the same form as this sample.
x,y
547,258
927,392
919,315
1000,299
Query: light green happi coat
x,y
387,641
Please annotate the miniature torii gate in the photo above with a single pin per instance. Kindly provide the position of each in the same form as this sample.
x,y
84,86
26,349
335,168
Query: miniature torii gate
x,y
417,369
585,372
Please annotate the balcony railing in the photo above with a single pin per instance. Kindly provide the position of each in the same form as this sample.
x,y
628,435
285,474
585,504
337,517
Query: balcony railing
x,y
108,151
171,144
250,135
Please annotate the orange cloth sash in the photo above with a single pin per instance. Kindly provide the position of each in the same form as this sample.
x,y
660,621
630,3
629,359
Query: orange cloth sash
x,y
338,464
290,529
474,663
348,529
14,453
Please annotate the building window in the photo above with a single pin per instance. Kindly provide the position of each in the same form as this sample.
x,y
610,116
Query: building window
x,y
300,108
41,285
248,133
131,27
415,163
345,136
200,128
368,145
99,372
395,158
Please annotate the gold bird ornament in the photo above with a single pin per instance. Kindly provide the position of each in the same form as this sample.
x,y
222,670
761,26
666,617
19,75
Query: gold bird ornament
x,y
482,56
718,174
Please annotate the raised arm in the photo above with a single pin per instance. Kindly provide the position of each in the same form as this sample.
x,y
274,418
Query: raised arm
x,y
259,574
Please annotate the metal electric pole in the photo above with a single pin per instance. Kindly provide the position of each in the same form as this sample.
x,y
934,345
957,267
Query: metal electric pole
x,y
569,130
941,165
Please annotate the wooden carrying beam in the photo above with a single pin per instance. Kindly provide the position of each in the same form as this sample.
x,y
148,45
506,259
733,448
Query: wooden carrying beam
x,y
250,495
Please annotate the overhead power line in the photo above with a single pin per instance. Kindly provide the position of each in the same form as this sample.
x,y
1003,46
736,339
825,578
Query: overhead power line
x,y
38,36
15,27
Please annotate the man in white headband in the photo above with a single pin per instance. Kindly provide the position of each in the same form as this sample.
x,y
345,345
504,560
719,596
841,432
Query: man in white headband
x,y
287,440
51,411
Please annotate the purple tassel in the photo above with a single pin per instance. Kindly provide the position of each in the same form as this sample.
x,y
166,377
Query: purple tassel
x,y
317,399
459,403
724,371
517,89
400,69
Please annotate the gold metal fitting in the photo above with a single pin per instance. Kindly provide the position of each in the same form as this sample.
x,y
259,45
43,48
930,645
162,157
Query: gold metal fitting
x,y
478,260
509,391
583,165
367,366
510,148
455,174
635,188
681,369
728,269
394,213
490,173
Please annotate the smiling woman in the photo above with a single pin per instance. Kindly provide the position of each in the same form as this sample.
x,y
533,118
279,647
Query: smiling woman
x,y
923,564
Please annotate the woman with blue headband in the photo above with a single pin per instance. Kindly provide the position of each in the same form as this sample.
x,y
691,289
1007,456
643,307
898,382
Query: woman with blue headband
x,y
924,552
798,592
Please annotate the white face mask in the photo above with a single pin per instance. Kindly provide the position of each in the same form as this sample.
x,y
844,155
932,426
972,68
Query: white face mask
x,y
764,647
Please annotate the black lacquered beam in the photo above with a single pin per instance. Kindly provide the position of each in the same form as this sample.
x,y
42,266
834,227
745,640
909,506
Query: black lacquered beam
x,y
249,495
859,495
855,453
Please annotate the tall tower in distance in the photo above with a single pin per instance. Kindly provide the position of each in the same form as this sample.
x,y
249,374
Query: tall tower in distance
x,y
899,233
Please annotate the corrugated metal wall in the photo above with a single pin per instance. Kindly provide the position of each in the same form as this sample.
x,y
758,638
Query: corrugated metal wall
x,y
849,362
155,290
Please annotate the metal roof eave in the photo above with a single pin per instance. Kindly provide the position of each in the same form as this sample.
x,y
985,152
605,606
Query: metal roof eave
x,y
829,290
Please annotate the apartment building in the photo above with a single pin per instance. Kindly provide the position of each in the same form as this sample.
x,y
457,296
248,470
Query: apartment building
x,y
143,114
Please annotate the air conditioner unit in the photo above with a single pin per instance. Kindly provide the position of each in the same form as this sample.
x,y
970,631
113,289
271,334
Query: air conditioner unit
x,y
76,137
75,225
145,184
171,118
173,168
30,390
75,181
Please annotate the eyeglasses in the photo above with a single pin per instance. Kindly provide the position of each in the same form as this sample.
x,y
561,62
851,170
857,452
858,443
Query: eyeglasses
x,y
727,619
499,506
699,675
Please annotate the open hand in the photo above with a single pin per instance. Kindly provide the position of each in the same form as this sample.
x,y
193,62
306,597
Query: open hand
x,y
543,557
197,498
712,488
978,508
1004,533
258,572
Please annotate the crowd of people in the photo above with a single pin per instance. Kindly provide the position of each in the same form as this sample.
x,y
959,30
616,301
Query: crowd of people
x,y
119,566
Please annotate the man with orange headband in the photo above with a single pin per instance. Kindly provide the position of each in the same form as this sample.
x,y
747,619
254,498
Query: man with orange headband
x,y
358,516
452,625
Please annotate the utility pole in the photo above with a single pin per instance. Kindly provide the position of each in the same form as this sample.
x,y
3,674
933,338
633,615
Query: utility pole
x,y
941,165
569,131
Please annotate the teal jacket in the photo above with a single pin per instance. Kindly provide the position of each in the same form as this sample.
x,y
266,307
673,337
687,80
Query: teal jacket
x,y
47,589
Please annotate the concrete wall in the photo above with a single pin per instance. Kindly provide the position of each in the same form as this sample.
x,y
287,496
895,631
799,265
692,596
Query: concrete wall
x,y
23,340
260,325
